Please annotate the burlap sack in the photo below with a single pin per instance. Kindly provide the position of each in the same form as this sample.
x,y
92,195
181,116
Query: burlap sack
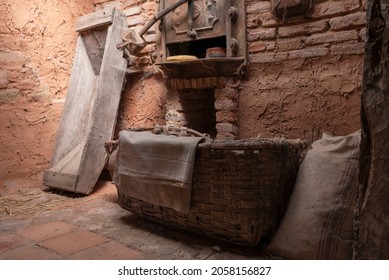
x,y
318,223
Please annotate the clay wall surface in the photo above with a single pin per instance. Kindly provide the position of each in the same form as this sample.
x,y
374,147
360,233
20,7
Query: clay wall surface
x,y
37,43
304,76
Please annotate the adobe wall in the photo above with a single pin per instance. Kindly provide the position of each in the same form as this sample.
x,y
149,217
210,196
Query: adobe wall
x,y
37,43
304,76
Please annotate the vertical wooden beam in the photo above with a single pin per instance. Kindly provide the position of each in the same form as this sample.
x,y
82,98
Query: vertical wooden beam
x,y
108,92
372,211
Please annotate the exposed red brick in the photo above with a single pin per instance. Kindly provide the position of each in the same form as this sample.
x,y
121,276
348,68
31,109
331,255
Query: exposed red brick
x,y
256,47
348,21
253,21
268,20
291,31
290,44
332,37
333,8
317,26
308,53
226,116
348,48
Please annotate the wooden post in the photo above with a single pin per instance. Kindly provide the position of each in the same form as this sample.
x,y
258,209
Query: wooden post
x,y
372,211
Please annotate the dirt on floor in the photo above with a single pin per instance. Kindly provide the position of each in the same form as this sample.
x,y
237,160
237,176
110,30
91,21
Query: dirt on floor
x,y
99,213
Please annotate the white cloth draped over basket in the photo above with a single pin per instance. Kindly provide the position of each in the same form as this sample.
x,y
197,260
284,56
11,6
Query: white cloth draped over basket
x,y
157,169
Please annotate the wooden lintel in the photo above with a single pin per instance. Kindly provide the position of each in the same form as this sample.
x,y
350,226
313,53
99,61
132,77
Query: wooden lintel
x,y
96,19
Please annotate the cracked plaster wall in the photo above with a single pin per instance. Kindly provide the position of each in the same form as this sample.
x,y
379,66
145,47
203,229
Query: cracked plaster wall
x,y
37,43
304,76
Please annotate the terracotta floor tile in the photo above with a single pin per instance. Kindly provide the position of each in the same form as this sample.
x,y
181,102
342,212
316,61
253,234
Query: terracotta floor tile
x,y
30,252
74,242
47,231
112,250
10,242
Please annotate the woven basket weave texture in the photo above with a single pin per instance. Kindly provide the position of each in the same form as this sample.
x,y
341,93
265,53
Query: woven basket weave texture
x,y
240,190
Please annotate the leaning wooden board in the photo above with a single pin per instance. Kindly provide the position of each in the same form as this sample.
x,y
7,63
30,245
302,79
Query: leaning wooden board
x,y
92,102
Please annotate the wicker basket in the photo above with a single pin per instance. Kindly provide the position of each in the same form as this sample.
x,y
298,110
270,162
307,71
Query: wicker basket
x,y
239,193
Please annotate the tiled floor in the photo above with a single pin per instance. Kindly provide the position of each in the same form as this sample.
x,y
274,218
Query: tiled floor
x,y
42,224
60,240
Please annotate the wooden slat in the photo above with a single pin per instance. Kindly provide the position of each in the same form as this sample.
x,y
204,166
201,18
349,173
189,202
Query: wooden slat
x,y
90,110
54,179
96,19
108,91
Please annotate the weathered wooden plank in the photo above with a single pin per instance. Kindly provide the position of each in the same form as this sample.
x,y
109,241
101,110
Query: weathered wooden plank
x,y
108,90
96,19
76,114
53,179
90,110
372,211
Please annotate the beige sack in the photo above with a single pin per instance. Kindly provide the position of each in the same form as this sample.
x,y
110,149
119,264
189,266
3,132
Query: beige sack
x,y
318,223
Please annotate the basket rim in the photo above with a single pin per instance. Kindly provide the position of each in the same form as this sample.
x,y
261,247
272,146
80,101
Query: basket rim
x,y
254,143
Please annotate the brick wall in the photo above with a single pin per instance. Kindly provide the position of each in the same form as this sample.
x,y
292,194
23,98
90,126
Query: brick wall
x,y
304,76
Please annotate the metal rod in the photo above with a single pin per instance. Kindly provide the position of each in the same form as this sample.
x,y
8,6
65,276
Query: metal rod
x,y
159,15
